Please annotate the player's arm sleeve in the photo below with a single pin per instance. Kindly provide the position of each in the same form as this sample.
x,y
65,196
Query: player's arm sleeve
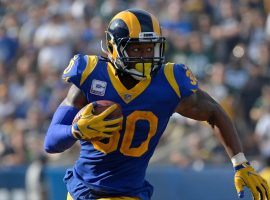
x,y
59,136
186,81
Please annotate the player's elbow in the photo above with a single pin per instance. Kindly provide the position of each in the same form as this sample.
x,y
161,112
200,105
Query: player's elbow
x,y
216,114
50,147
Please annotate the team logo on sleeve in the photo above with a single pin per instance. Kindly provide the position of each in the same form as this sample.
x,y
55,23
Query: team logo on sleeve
x,y
98,87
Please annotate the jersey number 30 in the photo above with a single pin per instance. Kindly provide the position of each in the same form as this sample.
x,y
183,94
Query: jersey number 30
x,y
125,147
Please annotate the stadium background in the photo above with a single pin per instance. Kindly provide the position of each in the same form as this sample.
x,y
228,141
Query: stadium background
x,y
226,43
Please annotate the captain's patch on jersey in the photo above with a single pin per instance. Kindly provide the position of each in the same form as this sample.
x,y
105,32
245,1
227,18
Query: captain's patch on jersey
x,y
98,87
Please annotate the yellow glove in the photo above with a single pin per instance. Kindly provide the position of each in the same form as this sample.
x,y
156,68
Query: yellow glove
x,y
91,126
245,175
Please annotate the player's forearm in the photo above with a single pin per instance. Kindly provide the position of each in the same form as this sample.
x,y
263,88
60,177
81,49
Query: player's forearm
x,y
227,133
59,136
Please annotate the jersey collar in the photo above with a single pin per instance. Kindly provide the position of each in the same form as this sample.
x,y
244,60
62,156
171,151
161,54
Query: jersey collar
x,y
124,93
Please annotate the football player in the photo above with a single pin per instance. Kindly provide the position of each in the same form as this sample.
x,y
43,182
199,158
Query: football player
x,y
134,74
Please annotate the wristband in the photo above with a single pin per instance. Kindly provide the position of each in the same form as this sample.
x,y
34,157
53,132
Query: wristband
x,y
241,166
238,159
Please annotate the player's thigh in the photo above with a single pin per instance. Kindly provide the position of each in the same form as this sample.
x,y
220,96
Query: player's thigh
x,y
113,198
119,198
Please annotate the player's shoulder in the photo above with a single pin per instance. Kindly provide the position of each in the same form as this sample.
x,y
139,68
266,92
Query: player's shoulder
x,y
80,67
175,66
180,78
177,70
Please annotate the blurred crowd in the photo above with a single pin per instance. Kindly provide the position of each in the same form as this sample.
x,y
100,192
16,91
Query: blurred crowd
x,y
226,43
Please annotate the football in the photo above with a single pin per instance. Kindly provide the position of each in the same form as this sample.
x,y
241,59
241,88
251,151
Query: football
x,y
99,107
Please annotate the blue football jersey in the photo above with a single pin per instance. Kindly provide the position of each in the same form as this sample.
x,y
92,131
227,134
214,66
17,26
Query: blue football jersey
x,y
117,166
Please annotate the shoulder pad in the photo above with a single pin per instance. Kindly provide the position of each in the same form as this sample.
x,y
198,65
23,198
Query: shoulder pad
x,y
79,68
181,79
168,71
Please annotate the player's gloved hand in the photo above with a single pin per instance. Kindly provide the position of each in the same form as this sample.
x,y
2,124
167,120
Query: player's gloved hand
x,y
245,175
91,126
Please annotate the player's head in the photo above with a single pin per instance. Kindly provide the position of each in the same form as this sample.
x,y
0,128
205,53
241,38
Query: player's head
x,y
135,44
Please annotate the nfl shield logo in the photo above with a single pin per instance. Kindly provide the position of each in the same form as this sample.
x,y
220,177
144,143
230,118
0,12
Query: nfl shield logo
x,y
98,87
127,97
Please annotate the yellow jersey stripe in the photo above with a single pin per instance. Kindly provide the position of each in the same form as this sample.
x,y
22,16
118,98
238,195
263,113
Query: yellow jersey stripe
x,y
168,71
90,66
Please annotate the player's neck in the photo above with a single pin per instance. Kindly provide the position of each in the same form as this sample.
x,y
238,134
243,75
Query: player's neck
x,y
128,81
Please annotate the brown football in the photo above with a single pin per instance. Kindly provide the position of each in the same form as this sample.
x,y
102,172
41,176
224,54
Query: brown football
x,y
99,107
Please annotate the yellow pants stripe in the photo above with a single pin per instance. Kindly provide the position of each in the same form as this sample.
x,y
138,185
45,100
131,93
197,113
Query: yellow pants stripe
x,y
69,196
109,198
